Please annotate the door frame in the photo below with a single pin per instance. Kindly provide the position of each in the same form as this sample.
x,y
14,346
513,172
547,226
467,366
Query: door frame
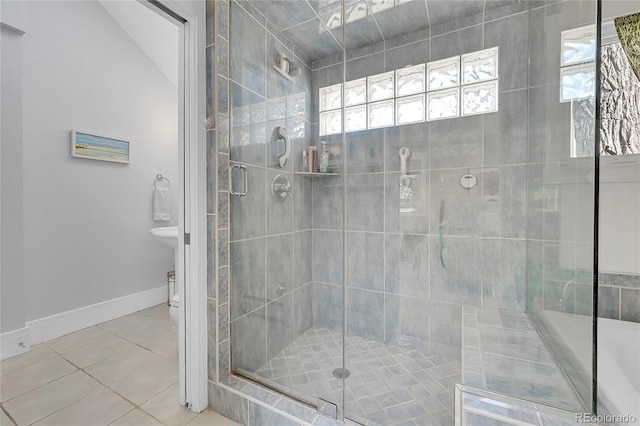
x,y
191,270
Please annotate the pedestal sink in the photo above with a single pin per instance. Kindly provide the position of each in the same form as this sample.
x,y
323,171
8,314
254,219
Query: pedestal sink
x,y
168,235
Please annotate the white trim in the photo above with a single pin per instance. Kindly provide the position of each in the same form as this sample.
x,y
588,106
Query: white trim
x,y
609,34
191,270
14,343
48,328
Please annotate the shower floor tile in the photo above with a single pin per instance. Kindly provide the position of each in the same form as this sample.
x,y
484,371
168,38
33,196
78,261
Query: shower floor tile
x,y
387,384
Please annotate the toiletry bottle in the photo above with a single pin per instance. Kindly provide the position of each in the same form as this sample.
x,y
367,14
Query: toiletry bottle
x,y
324,157
311,151
314,160
305,161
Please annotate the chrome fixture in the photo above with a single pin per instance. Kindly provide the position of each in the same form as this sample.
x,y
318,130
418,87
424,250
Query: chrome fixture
x,y
281,188
245,191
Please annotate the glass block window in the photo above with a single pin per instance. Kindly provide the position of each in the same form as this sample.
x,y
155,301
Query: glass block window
x,y
577,63
331,97
480,66
410,80
331,122
355,118
380,87
381,114
410,109
444,73
480,98
448,88
443,104
355,92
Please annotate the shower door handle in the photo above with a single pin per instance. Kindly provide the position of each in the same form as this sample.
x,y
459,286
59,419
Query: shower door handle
x,y
246,180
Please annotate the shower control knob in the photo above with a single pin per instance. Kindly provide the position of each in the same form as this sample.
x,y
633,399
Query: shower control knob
x,y
281,188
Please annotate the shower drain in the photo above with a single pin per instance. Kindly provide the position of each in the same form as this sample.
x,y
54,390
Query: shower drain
x,y
341,373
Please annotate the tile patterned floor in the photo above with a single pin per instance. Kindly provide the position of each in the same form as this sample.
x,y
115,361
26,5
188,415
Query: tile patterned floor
x,y
122,373
387,384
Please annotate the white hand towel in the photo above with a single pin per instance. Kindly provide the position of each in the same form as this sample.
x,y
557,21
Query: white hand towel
x,y
161,202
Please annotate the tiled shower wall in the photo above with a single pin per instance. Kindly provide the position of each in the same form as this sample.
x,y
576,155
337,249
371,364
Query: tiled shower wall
x,y
619,297
399,289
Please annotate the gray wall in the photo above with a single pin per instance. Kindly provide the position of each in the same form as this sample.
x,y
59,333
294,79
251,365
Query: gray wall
x,y
267,237
12,316
86,223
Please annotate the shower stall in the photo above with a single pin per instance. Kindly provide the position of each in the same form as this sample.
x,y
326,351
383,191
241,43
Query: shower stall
x,y
447,242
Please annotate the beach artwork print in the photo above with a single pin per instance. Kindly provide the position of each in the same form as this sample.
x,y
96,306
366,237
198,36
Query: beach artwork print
x,y
94,147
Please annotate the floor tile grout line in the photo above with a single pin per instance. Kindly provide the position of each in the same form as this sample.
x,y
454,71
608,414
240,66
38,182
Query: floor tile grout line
x,y
44,384
102,384
6,413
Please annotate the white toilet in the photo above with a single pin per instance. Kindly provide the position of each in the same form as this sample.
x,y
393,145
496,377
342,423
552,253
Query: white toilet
x,y
175,307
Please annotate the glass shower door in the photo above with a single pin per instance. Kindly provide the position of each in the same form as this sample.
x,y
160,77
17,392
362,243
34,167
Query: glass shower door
x,y
286,223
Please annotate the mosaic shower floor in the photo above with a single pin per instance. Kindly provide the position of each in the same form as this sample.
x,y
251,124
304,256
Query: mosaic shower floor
x,y
387,384
390,385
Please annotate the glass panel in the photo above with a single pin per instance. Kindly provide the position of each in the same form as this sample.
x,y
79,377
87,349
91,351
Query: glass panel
x,y
380,86
577,82
410,109
331,97
356,118
268,328
480,66
355,92
480,98
444,73
579,45
410,80
381,114
443,104
560,210
330,122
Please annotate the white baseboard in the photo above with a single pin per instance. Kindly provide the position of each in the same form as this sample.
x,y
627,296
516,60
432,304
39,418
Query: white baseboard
x,y
48,328
14,343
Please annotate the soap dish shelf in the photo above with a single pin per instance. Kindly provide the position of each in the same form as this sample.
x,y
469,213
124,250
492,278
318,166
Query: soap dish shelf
x,y
316,174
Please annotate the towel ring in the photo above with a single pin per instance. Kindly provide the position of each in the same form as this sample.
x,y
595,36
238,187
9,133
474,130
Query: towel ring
x,y
160,178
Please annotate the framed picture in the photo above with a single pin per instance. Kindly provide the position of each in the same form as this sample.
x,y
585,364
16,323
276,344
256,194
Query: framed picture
x,y
95,147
